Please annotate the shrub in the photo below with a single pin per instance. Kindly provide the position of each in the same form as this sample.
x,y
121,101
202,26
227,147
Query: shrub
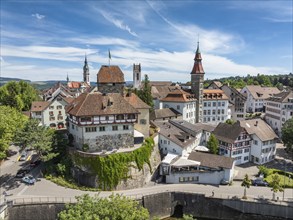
x,y
85,147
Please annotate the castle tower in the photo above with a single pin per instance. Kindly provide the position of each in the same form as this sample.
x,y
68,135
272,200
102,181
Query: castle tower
x,y
197,80
136,76
86,72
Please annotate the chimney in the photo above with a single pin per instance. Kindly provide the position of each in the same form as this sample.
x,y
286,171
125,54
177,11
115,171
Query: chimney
x,y
256,123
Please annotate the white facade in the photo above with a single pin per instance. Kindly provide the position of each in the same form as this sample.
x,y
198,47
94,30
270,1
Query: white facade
x,y
251,103
240,149
53,115
215,111
187,109
168,146
277,113
202,176
87,134
262,151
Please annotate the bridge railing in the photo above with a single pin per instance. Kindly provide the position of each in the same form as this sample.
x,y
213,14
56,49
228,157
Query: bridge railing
x,y
138,196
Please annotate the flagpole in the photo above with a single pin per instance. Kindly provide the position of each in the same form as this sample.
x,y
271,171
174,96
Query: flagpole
x,y
109,57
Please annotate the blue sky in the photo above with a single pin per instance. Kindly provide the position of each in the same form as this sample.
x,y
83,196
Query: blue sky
x,y
46,40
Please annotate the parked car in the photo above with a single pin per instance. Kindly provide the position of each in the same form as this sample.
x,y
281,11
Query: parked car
x,y
22,172
23,156
259,182
29,179
224,182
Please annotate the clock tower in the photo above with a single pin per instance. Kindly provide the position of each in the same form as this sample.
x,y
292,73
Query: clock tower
x,y
197,80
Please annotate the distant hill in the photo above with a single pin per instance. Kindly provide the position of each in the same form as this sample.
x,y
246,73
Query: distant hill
x,y
41,85
4,80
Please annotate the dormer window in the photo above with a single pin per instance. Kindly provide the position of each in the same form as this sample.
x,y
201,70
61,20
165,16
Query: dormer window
x,y
120,117
131,116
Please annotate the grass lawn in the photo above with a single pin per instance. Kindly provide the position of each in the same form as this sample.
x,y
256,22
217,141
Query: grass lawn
x,y
285,182
288,182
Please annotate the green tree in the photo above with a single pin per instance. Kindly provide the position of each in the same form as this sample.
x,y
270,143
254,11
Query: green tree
x,y
19,95
287,134
213,144
276,185
10,121
114,207
145,93
246,183
40,138
230,121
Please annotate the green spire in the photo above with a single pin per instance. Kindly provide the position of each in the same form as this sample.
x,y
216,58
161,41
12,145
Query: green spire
x,y
197,50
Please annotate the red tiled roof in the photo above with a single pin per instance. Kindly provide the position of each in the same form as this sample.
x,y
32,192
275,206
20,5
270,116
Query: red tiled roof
x,y
211,94
179,95
74,85
112,74
91,104
39,106
135,101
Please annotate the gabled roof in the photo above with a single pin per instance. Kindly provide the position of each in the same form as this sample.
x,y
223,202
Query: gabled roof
x,y
214,94
161,91
218,84
135,101
164,113
188,127
110,74
235,92
260,128
282,97
179,95
227,132
175,134
212,160
93,104
73,85
160,83
259,92
39,106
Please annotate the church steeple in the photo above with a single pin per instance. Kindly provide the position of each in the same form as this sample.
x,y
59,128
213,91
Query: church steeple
x,y
86,72
197,67
67,78
197,80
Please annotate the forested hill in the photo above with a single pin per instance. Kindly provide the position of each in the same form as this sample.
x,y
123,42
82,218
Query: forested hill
x,y
264,80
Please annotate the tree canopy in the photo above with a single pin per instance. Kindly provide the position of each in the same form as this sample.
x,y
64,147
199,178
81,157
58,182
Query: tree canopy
x,y
213,144
287,134
10,121
246,183
37,137
19,95
145,94
276,185
116,207
260,79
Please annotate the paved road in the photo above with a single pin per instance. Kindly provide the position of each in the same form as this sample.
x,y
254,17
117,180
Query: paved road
x,y
46,188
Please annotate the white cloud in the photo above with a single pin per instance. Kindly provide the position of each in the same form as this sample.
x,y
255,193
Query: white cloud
x,y
105,41
118,23
38,16
46,52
